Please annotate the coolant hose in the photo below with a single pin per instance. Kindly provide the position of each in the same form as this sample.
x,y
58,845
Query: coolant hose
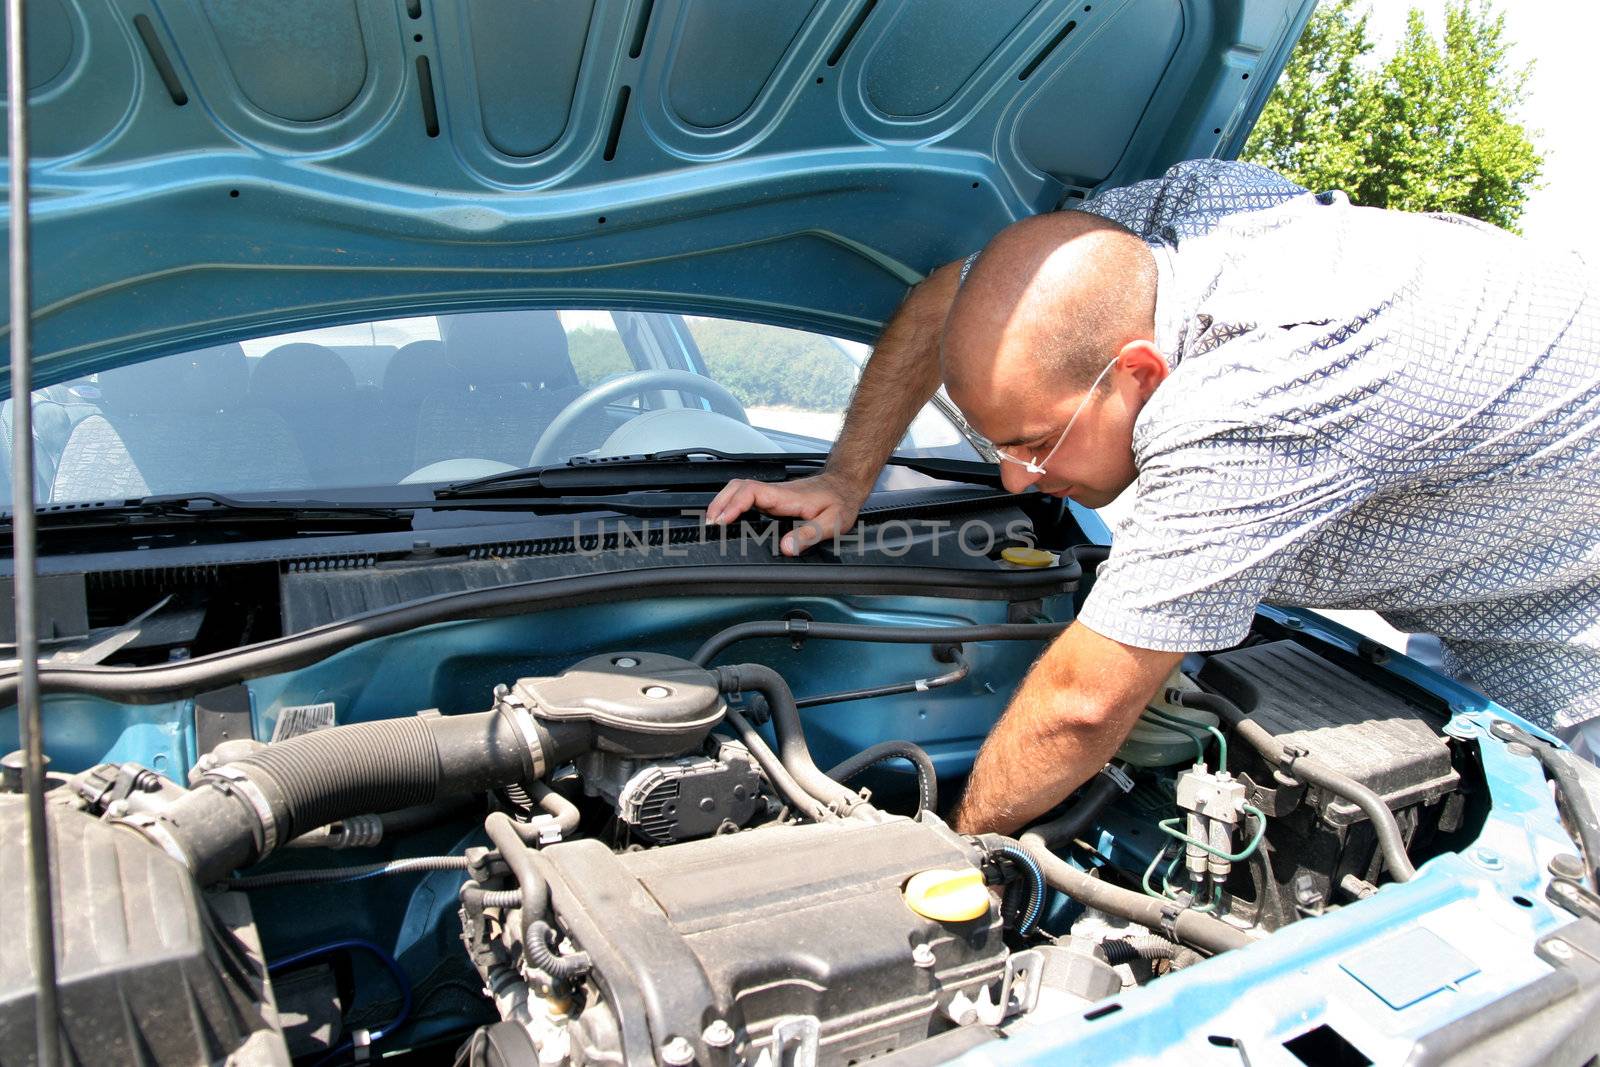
x,y
1071,824
563,813
1189,926
241,811
886,751
519,858
1305,768
776,773
793,752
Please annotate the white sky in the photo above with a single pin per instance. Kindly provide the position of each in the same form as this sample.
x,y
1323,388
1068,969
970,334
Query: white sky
x,y
1558,37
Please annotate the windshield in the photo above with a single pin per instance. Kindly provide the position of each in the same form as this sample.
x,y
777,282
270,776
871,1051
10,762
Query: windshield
x,y
438,398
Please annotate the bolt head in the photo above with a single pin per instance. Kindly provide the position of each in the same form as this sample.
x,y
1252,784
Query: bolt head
x,y
1566,865
718,1035
923,956
657,692
677,1053
625,661
1558,948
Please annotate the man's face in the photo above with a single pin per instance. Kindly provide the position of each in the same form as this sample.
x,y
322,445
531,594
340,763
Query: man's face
x,y
1094,463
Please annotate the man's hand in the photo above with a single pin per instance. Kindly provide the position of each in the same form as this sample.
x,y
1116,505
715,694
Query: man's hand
x,y
1069,717
828,503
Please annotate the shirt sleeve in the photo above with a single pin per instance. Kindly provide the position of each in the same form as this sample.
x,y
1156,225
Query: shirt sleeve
x,y
1215,519
1191,198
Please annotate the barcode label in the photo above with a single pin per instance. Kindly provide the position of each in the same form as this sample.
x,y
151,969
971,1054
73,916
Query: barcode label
x,y
302,719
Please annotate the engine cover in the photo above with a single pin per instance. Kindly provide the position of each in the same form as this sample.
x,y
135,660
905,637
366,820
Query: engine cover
x,y
769,929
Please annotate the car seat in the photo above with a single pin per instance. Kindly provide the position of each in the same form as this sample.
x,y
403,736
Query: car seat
x,y
178,424
513,375
314,392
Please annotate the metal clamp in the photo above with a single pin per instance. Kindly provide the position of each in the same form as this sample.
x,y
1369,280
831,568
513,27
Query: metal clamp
x,y
520,717
231,779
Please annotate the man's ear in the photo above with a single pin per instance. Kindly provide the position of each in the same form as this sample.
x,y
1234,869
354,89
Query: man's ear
x,y
1147,365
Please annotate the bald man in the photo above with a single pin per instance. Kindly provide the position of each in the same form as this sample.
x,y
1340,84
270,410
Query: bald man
x,y
1308,402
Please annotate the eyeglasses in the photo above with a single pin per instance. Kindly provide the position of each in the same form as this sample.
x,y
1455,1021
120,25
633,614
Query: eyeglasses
x,y
1036,466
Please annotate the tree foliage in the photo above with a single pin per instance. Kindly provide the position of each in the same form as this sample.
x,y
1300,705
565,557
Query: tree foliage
x,y
762,366
1432,127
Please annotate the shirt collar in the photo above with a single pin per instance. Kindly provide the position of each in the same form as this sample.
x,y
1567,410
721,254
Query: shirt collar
x,y
1169,319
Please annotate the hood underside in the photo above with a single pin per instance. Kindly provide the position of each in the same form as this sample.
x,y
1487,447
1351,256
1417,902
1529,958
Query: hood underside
x,y
205,170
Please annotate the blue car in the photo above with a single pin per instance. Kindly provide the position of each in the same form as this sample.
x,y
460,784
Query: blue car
x,y
400,703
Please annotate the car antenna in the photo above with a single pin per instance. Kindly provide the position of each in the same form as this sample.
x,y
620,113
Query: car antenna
x,y
47,1016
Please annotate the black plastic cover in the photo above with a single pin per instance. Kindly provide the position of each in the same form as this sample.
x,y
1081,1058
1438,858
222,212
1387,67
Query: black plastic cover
x,y
148,971
1349,723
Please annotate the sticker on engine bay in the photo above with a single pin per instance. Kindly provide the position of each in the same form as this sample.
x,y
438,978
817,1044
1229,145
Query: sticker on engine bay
x,y
302,719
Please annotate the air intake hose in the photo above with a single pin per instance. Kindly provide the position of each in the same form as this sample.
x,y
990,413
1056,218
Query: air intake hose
x,y
242,811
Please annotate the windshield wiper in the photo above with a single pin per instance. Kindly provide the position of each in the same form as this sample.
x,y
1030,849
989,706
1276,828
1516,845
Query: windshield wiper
x,y
190,509
690,468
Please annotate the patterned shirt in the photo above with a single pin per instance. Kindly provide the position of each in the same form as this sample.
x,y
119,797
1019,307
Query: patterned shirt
x,y
1367,409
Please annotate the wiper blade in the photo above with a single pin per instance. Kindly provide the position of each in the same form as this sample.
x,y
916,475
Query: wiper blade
x,y
186,509
689,468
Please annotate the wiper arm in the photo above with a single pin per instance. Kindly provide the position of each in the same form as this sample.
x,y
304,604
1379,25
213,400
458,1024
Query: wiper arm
x,y
186,509
688,468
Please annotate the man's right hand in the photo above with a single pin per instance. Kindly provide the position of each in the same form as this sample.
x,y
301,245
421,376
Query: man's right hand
x,y
828,503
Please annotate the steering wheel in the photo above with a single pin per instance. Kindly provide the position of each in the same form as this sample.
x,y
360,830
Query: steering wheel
x,y
546,451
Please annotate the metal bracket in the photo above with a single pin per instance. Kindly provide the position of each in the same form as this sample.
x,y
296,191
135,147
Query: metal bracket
x,y
1571,896
800,1033
1019,986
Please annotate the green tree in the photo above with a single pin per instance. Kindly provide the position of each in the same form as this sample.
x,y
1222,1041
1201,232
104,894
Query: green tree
x,y
1431,128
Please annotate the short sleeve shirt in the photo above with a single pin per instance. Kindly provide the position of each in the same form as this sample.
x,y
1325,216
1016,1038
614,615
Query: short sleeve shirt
x,y
1366,409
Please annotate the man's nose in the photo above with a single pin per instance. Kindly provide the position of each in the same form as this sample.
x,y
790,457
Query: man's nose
x,y
1015,477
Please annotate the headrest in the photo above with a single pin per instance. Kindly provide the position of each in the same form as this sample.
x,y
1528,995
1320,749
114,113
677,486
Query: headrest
x,y
417,369
499,347
204,381
299,374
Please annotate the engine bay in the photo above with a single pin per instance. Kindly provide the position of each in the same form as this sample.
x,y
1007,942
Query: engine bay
x,y
636,856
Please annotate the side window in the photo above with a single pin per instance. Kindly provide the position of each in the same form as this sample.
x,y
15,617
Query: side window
x,y
594,346
782,377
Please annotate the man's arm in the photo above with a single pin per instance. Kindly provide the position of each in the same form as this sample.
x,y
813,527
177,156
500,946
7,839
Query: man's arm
x,y
900,377
1069,717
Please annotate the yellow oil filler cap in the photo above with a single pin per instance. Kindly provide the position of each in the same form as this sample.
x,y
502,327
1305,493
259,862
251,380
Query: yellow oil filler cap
x,y
1018,556
948,896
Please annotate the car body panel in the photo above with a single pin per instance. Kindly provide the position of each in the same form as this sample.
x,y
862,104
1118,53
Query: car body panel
x,y
789,161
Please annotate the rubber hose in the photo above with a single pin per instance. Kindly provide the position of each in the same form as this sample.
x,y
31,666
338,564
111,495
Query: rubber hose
x,y
159,683
894,635
1149,947
500,898
787,787
563,969
517,856
793,752
887,751
357,873
1391,841
1191,927
314,779
564,813
1072,823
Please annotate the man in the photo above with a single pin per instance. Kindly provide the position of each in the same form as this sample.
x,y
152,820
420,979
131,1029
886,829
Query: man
x,y
1309,402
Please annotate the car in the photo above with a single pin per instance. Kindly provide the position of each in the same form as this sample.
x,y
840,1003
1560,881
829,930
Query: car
x,y
400,703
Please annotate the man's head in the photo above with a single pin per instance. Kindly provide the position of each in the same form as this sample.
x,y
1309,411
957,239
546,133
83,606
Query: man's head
x,y
1052,302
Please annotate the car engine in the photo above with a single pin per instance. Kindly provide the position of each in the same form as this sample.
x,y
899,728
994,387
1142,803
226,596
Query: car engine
x,y
658,882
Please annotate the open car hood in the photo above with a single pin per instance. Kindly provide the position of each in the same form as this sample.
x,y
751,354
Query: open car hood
x,y
205,170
